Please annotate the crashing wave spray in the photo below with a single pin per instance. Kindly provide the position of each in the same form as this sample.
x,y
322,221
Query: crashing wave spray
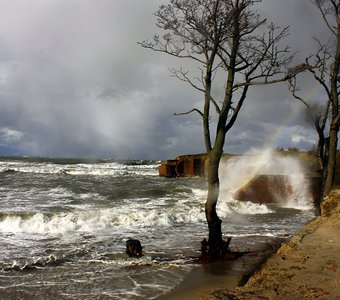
x,y
239,171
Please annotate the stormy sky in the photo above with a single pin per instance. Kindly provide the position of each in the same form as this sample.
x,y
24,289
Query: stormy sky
x,y
75,83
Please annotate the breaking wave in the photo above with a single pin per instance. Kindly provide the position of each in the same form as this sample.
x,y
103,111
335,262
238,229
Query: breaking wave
x,y
34,264
90,221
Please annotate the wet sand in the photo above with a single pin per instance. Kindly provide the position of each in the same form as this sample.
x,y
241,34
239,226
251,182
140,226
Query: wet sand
x,y
203,279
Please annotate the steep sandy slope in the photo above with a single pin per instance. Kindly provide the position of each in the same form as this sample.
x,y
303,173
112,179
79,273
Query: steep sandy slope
x,y
306,267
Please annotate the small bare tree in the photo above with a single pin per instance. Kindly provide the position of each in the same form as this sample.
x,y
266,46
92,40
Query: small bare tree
x,y
225,39
324,67
316,114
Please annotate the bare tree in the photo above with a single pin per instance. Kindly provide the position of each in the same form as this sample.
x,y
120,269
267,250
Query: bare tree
x,y
317,115
324,67
225,39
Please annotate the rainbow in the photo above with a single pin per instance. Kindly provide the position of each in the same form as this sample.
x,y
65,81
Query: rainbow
x,y
315,94
272,141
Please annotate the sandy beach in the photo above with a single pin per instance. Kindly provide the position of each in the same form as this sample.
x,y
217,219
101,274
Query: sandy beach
x,y
305,267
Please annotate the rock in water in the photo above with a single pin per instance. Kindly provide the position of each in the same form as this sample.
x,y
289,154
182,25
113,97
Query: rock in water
x,y
134,248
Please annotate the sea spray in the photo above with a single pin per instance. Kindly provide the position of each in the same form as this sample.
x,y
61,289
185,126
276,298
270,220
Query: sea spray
x,y
236,172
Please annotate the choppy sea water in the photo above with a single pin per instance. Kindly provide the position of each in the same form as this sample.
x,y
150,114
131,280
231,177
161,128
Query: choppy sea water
x,y
64,223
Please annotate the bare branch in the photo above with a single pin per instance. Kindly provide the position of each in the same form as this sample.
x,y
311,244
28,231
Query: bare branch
x,y
322,82
328,8
236,110
293,89
217,108
189,112
293,71
337,120
169,47
183,76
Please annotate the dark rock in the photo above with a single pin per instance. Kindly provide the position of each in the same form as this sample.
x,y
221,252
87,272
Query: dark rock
x,y
134,248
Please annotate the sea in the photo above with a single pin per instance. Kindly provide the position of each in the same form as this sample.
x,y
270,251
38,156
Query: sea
x,y
64,223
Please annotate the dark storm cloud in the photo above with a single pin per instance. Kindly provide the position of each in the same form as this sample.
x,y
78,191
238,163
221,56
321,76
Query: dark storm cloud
x,y
74,82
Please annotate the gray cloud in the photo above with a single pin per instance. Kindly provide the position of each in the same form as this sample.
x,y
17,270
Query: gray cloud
x,y
74,82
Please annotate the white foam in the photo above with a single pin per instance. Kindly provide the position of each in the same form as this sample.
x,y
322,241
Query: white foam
x,y
232,206
249,208
240,170
200,193
261,234
97,169
125,218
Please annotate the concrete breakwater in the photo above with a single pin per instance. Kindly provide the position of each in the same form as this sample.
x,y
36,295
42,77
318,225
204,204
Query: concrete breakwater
x,y
272,188
268,177
185,165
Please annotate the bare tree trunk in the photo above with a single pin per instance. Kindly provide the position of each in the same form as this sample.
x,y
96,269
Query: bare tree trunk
x,y
217,247
334,127
214,223
321,147
320,152
331,160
